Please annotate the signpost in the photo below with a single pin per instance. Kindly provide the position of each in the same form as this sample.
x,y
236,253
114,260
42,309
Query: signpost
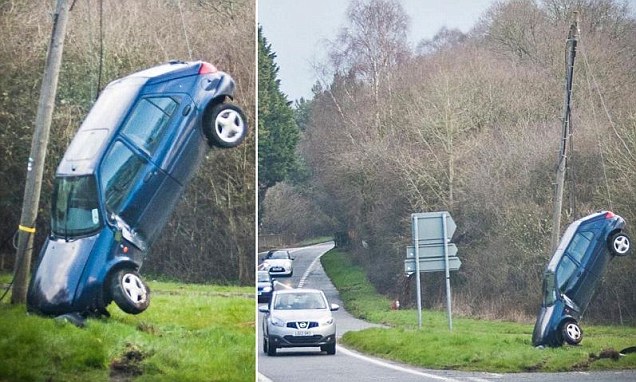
x,y
432,251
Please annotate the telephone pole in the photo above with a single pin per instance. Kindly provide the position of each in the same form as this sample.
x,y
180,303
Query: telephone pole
x,y
566,133
37,157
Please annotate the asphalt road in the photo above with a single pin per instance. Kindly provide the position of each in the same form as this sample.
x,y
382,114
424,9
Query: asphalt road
x,y
309,364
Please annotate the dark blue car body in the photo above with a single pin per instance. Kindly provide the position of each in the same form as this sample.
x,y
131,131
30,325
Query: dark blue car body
x,y
573,273
121,178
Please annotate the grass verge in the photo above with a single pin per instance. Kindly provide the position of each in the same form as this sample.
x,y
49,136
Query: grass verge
x,y
475,345
189,333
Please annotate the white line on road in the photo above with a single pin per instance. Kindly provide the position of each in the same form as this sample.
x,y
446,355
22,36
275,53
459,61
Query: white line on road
x,y
262,378
394,367
301,283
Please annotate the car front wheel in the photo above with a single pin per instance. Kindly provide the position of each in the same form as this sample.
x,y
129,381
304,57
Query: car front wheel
x,y
619,244
572,333
129,292
225,125
271,349
330,349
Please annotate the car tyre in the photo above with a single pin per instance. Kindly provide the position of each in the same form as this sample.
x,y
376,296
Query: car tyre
x,y
619,244
271,349
129,292
330,348
265,345
225,125
571,332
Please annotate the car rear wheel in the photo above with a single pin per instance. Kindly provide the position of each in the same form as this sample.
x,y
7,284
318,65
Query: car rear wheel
x,y
225,125
129,292
571,332
619,244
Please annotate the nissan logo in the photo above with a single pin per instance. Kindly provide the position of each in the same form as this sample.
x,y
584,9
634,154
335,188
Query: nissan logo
x,y
302,324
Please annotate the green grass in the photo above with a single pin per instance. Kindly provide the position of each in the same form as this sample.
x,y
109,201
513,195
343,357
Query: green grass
x,y
189,333
474,344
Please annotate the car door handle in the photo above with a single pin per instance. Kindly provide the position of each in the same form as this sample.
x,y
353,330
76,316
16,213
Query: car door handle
x,y
149,176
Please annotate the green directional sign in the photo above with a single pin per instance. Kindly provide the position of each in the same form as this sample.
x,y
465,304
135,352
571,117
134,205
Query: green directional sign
x,y
430,227
433,264
432,250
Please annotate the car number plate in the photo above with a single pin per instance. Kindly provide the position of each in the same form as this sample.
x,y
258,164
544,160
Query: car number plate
x,y
302,333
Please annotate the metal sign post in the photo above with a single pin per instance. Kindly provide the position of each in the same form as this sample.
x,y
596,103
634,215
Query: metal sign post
x,y
447,268
432,251
417,272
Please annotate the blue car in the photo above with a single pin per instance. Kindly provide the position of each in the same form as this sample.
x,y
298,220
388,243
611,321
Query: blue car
x,y
120,179
573,273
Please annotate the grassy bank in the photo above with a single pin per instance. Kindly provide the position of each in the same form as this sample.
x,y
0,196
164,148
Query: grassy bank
x,y
189,333
479,345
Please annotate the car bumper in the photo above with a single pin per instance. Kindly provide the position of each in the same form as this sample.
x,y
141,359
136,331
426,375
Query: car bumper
x,y
280,272
291,341
288,337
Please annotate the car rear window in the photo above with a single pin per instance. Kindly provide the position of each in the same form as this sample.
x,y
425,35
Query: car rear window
x,y
149,120
579,245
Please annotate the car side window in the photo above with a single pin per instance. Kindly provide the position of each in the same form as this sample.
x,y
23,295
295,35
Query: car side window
x,y
120,171
565,271
579,245
149,120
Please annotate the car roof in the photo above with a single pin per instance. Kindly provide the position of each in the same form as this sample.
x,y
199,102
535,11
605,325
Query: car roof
x,y
298,290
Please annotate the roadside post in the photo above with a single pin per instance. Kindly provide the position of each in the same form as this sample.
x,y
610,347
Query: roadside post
x,y
432,251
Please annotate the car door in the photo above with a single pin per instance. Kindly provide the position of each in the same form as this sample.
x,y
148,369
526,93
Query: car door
x,y
582,283
153,129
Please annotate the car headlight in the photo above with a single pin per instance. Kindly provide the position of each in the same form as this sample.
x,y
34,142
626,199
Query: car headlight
x,y
277,322
267,289
327,322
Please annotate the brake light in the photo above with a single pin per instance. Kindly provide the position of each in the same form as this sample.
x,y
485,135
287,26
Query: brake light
x,y
207,68
609,215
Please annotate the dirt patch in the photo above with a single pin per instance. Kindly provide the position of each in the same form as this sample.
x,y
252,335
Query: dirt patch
x,y
128,365
604,354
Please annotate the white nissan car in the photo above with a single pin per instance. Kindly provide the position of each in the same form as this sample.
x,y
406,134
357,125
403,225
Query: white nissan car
x,y
299,318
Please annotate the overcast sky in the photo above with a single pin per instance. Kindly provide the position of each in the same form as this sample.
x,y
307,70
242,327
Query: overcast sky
x,y
298,29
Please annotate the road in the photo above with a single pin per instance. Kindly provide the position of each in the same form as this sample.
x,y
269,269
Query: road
x,y
303,364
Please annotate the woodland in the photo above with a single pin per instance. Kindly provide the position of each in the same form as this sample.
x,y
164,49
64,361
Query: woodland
x,y
210,237
468,123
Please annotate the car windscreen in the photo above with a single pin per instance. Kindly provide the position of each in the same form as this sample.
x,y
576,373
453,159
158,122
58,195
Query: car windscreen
x,y
295,301
75,206
278,255
263,277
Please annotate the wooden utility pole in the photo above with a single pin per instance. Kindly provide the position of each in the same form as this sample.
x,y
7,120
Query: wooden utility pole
x,y
566,132
35,167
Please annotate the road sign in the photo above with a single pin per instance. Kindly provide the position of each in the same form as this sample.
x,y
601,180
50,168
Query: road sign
x,y
430,228
433,264
432,250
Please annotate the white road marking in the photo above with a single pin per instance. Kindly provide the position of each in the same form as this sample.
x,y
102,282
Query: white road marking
x,y
301,283
262,378
394,367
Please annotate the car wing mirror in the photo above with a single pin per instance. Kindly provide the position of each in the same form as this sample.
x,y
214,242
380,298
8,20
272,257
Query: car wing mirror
x,y
263,309
334,307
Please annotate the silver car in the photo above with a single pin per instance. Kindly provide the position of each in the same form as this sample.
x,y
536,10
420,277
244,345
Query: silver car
x,y
299,318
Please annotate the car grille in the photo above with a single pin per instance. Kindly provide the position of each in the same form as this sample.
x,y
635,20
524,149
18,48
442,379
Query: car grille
x,y
302,324
303,339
